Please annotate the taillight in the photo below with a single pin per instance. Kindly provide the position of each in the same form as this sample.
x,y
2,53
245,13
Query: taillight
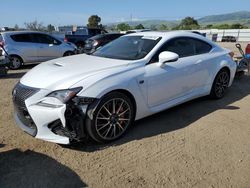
x,y
231,54
248,49
65,39
2,44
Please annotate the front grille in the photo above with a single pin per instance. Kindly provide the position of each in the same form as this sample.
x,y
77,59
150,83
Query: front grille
x,y
20,94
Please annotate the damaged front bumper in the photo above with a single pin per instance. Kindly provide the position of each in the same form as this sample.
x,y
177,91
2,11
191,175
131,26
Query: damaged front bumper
x,y
61,124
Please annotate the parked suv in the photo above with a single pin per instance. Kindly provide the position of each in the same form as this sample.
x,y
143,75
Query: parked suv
x,y
97,41
31,47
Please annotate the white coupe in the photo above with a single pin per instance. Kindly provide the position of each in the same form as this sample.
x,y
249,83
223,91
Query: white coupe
x,y
136,75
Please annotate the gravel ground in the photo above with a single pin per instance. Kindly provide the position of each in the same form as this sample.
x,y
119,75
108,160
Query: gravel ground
x,y
202,143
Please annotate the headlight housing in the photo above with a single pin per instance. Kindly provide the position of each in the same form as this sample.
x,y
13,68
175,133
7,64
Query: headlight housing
x,y
65,95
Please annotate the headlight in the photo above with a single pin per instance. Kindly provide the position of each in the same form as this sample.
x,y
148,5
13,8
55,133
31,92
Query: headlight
x,y
95,43
65,95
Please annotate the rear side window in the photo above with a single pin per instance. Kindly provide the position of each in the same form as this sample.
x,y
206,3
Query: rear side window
x,y
81,31
45,39
184,47
21,38
201,47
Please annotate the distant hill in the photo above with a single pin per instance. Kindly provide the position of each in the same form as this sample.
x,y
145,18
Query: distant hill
x,y
149,23
242,17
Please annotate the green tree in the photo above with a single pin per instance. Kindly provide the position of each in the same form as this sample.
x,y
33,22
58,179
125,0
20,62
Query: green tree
x,y
163,27
188,23
209,26
94,21
222,26
50,28
123,27
237,26
140,26
153,28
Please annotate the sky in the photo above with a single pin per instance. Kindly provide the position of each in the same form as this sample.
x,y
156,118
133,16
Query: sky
x,y
76,12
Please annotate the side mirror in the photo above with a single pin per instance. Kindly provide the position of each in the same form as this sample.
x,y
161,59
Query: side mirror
x,y
167,57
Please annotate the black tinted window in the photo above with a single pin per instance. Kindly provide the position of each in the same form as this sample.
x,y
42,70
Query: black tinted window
x,y
21,38
45,39
201,47
128,47
182,46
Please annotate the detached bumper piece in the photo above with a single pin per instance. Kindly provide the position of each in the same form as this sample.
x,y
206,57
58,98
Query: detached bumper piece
x,y
74,129
20,94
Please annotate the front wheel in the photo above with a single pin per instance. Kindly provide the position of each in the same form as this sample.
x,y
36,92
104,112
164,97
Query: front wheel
x,y
112,117
220,84
68,53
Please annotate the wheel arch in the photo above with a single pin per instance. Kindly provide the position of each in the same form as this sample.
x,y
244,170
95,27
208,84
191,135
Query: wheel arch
x,y
64,54
17,55
222,68
129,95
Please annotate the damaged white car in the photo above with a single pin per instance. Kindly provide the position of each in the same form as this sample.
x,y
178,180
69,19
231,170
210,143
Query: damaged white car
x,y
136,75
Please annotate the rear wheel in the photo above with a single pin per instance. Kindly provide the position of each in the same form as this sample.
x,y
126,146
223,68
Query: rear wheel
x,y
112,117
68,53
220,84
15,62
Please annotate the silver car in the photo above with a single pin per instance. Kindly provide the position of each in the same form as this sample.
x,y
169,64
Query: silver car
x,y
33,47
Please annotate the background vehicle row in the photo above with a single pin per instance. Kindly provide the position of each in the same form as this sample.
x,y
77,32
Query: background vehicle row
x,y
29,47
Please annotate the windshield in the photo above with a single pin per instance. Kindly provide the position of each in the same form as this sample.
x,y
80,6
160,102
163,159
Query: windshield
x,y
128,47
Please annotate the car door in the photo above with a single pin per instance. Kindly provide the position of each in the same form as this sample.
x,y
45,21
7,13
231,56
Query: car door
x,y
48,47
25,47
174,79
203,64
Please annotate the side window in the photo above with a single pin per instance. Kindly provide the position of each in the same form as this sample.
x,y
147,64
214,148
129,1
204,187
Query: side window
x,y
21,38
45,39
81,31
201,47
184,47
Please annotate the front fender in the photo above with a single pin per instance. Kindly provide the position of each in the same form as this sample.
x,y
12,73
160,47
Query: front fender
x,y
128,81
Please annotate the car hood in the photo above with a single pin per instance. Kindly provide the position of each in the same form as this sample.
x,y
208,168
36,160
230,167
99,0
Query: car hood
x,y
64,72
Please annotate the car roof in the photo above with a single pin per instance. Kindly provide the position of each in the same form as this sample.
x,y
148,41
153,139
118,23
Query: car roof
x,y
171,34
22,32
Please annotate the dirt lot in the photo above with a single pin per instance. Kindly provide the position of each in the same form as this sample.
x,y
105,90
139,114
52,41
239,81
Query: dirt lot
x,y
203,143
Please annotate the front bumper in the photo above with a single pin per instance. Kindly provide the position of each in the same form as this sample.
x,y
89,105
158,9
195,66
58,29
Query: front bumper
x,y
61,125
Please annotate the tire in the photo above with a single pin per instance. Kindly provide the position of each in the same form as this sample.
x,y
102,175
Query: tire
x,y
15,62
107,124
220,84
68,53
